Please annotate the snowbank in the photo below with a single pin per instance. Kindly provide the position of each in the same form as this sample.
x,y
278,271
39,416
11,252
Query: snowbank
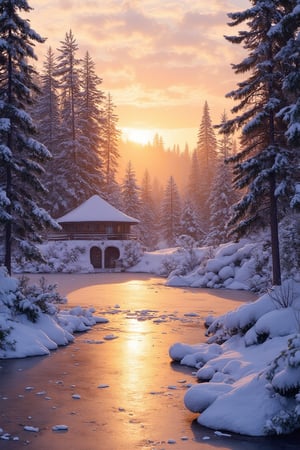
x,y
31,323
249,370
240,265
243,265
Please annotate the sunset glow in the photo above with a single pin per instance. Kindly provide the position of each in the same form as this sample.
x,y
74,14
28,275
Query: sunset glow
x,y
139,135
160,61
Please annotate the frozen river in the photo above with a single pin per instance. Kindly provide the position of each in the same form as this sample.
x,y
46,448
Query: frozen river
x,y
128,394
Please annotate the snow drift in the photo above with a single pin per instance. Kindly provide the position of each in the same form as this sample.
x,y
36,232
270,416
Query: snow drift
x,y
31,323
249,369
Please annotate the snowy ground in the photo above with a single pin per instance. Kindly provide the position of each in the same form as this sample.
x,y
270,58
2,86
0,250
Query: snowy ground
x,y
249,370
241,265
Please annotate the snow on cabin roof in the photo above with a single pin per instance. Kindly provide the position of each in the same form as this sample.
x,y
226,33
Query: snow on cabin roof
x,y
95,209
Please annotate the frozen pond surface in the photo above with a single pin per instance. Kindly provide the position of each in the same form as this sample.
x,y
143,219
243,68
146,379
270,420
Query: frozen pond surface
x,y
115,388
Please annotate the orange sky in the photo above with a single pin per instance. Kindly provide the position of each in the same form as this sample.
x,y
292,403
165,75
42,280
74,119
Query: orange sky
x,y
159,59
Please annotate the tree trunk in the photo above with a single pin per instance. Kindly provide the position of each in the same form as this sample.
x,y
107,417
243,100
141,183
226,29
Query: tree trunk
x,y
8,226
274,234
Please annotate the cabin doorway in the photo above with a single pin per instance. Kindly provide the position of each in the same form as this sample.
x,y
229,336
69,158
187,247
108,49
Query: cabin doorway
x,y
96,257
112,254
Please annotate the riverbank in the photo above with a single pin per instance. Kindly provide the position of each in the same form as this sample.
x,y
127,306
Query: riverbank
x,y
114,388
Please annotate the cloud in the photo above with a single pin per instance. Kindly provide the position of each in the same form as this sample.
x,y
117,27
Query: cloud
x,y
150,53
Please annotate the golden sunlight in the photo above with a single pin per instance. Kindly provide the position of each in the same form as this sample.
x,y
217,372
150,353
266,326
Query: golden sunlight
x,y
141,136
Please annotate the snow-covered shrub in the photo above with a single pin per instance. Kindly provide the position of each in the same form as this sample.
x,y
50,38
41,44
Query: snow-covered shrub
x,y
168,265
61,257
33,300
289,235
183,260
284,377
187,245
272,314
5,330
8,287
261,278
57,257
284,296
132,254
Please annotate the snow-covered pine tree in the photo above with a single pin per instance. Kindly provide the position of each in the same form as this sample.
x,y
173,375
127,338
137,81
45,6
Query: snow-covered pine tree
x,y
157,194
207,157
90,125
220,203
68,71
170,213
148,216
265,158
189,221
131,193
289,58
46,108
222,196
21,155
46,114
74,186
110,152
194,186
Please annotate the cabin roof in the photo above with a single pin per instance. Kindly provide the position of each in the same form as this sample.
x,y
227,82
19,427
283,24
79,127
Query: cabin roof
x,y
95,209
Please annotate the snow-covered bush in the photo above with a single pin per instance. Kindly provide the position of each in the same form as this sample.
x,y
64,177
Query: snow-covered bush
x,y
18,297
34,300
284,296
132,254
256,321
31,323
187,245
57,257
289,235
5,330
284,377
183,260
168,265
8,294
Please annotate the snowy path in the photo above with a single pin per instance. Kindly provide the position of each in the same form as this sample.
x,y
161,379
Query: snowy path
x,y
114,388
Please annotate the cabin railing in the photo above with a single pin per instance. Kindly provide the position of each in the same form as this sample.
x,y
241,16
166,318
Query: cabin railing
x,y
90,236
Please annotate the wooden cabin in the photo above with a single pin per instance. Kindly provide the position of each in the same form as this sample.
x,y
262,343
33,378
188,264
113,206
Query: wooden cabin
x,y
104,226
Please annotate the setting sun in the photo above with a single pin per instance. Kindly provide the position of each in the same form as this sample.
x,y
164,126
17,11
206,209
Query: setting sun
x,y
142,136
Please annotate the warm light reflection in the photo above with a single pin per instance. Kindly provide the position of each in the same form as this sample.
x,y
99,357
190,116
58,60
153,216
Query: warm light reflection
x,y
136,342
142,136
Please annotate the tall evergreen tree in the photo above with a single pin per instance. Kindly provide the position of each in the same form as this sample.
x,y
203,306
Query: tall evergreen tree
x,y
21,155
263,164
207,157
46,114
46,108
90,125
289,58
170,213
131,193
148,216
222,196
71,187
68,70
110,152
194,186
189,221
